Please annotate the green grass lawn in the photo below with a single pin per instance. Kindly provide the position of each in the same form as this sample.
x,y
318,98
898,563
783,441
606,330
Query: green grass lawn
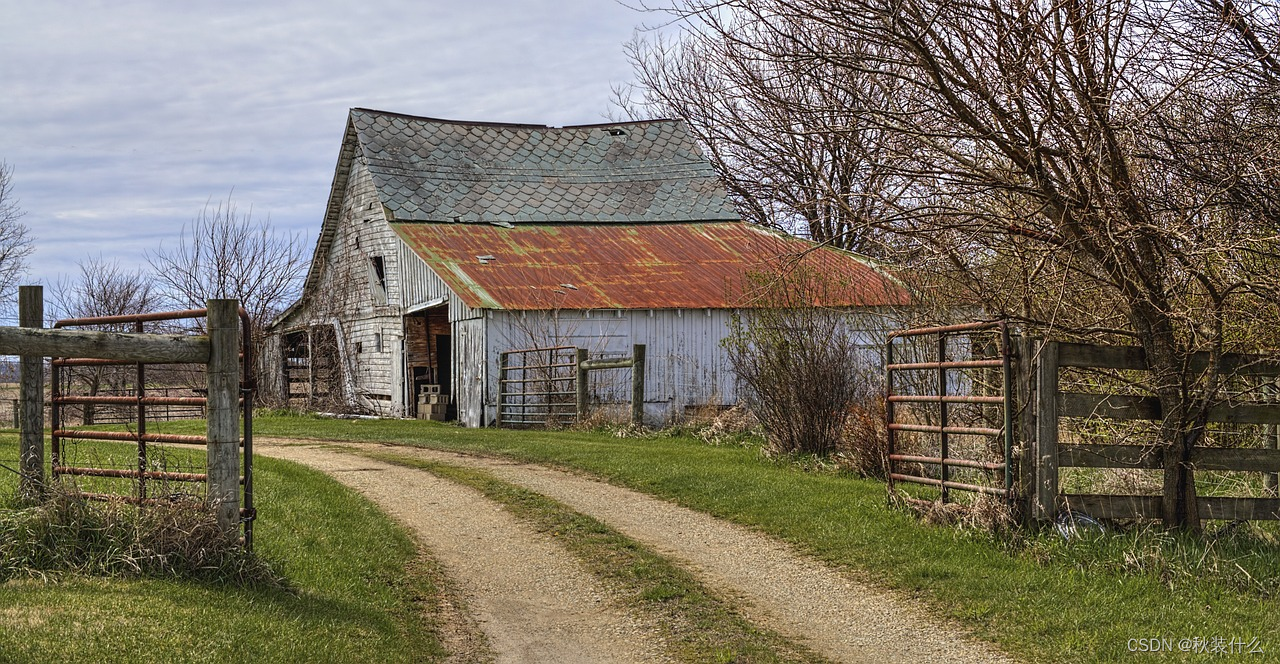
x,y
1038,597
357,592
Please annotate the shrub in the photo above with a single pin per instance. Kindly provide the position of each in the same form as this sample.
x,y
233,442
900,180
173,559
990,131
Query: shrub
x,y
865,446
795,359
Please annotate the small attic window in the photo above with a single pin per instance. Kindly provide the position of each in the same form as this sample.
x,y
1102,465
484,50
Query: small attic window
x,y
617,131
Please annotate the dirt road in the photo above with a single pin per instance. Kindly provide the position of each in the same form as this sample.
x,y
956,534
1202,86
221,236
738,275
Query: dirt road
x,y
774,585
533,601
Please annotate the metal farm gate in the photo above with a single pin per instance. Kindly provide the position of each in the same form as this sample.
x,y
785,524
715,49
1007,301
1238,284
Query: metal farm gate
x,y
151,478
949,408
538,387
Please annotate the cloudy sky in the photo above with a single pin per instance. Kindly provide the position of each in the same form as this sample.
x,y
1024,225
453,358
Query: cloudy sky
x,y
121,119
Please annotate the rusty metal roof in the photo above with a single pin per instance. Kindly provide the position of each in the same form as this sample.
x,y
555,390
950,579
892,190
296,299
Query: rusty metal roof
x,y
426,169
644,266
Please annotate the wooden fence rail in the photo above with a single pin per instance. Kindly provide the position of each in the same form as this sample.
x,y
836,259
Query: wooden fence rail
x,y
1050,455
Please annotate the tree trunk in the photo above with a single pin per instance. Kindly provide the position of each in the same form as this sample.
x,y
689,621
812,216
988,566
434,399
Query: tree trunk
x,y
1180,428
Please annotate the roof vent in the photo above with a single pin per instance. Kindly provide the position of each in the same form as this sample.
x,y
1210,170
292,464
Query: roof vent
x,y
486,259
617,131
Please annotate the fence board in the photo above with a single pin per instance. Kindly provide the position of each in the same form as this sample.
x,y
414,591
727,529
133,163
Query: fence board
x,y
1137,507
1140,456
1255,460
1111,506
1110,456
1234,509
1135,358
1128,407
150,348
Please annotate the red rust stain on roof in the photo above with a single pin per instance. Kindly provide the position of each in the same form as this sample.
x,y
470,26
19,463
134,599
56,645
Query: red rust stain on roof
x,y
649,266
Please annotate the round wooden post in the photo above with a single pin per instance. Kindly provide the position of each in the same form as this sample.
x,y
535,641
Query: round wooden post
x,y
31,398
223,378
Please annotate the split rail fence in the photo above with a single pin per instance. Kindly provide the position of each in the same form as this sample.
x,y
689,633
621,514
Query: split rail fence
x,y
1053,404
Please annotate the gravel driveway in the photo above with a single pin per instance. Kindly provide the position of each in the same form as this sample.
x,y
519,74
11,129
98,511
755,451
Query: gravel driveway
x,y
532,599
775,586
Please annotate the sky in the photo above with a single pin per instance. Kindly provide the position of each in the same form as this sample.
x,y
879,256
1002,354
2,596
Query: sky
x,y
121,120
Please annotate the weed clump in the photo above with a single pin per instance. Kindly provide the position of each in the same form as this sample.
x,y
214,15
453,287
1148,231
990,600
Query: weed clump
x,y
69,533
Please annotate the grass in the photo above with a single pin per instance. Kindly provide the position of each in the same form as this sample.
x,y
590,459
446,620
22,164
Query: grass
x,y
357,592
1039,597
699,626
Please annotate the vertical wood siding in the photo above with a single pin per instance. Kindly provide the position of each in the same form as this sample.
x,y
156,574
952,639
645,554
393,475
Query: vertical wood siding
x,y
686,363
471,373
421,284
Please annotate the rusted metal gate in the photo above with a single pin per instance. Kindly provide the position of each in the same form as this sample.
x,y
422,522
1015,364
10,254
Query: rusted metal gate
x,y
537,387
945,388
142,477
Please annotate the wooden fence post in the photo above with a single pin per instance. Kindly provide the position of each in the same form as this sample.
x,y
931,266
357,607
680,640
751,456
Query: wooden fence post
x,y
503,360
1024,389
31,398
1046,441
223,377
637,384
580,399
1270,436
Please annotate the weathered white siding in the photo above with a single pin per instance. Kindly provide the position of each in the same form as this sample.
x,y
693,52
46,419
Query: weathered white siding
x,y
348,296
686,365
470,371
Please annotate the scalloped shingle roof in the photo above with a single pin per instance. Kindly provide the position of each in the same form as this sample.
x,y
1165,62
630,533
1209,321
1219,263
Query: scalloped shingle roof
x,y
439,170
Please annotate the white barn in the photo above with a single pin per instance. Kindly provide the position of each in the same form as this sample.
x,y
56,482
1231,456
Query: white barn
x,y
446,243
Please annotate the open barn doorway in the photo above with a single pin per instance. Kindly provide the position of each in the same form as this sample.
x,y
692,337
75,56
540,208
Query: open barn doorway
x,y
428,364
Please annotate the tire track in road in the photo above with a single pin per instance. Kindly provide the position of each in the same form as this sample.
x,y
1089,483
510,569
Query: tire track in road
x,y
779,588
532,599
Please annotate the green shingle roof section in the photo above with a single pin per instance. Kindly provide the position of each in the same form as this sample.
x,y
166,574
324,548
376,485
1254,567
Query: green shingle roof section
x,y
636,172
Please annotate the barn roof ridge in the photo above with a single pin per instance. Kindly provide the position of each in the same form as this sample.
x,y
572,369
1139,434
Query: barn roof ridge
x,y
489,123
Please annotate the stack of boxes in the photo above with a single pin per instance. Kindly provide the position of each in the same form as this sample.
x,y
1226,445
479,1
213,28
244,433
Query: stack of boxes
x,y
432,405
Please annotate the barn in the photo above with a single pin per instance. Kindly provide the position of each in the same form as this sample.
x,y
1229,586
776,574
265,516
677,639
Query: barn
x,y
445,243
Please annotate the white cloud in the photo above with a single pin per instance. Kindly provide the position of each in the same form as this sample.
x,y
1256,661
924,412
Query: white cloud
x,y
123,118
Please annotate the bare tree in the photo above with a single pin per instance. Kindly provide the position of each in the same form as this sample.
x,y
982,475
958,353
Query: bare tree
x,y
785,170
223,254
103,288
15,242
1091,167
